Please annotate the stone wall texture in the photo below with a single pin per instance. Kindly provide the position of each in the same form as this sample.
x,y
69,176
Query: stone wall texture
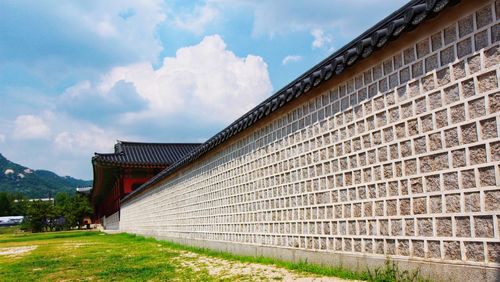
x,y
401,159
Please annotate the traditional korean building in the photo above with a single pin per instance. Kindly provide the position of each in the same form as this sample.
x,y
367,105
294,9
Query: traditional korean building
x,y
131,164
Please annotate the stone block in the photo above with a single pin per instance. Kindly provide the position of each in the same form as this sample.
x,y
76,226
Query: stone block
x,y
431,63
418,248
494,101
419,205
434,249
426,123
420,145
465,26
423,48
459,70
481,40
428,83
409,55
409,227
406,110
477,108
436,41
377,72
459,159
469,133
404,75
492,56
420,106
379,208
487,82
468,178
416,185
432,183
379,246
472,202
463,227
487,175
447,56
387,66
394,151
450,181
435,141
434,162
492,200
464,48
392,207
384,227
450,34
441,118
444,227
489,129
393,115
477,154
474,251
493,251
495,33
425,227
435,100
435,204
484,17
404,207
410,167
403,247
451,94
483,226
452,250
495,151
443,76
468,89
474,63
457,113
453,204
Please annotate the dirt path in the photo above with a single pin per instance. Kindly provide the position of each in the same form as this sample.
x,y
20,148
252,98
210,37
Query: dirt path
x,y
14,251
240,271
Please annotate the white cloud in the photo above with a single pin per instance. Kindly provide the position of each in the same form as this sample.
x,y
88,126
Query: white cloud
x,y
205,81
84,141
291,59
198,20
31,127
2,138
321,40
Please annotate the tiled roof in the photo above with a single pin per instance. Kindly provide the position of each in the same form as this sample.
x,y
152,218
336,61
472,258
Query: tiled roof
x,y
136,153
404,19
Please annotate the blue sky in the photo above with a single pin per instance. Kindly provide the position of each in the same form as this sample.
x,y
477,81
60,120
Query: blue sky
x,y
75,76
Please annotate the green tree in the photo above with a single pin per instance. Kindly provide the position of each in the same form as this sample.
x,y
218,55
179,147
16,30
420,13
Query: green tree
x,y
40,216
82,208
5,204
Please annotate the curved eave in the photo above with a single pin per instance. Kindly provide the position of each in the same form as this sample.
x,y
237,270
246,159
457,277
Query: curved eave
x,y
403,20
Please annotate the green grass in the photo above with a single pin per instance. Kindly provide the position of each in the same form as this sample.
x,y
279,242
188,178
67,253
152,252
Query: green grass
x,y
84,255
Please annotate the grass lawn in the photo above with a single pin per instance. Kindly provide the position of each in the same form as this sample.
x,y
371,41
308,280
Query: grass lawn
x,y
95,256
86,256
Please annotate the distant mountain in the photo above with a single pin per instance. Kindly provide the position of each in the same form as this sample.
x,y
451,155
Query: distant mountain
x,y
35,183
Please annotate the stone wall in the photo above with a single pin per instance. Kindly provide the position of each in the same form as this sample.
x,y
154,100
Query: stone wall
x,y
399,159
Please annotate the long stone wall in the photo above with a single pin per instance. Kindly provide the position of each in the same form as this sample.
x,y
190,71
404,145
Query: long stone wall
x,y
399,159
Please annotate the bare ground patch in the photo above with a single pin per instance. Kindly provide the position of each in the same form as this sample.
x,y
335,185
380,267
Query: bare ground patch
x,y
233,270
16,251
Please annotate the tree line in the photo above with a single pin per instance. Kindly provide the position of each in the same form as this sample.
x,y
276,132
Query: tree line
x,y
63,213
